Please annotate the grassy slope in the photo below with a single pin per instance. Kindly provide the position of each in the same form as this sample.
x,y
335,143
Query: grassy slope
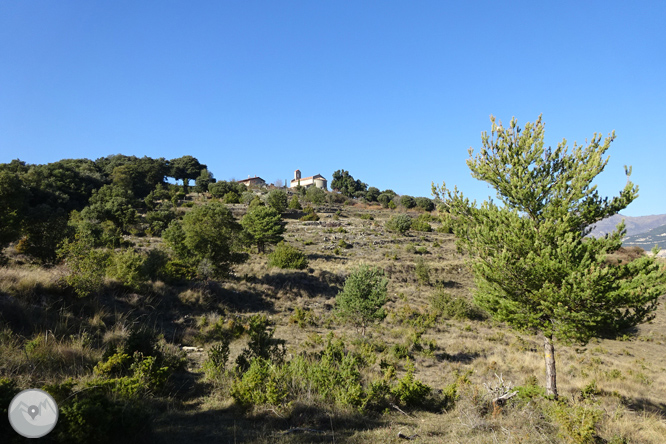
x,y
630,375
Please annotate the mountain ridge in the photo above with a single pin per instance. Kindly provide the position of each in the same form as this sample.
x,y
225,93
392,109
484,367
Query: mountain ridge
x,y
633,225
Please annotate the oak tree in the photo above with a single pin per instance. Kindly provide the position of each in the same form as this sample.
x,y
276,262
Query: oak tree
x,y
207,233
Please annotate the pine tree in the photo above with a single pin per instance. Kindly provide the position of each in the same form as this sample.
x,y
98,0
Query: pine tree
x,y
263,225
362,299
534,268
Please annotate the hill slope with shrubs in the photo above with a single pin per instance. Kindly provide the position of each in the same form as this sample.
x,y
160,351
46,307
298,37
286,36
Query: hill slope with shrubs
x,y
178,321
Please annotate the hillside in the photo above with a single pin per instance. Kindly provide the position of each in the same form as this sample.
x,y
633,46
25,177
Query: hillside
x,y
634,225
647,240
51,335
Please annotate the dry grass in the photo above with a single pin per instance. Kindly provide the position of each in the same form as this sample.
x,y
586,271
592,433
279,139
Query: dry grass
x,y
31,281
629,374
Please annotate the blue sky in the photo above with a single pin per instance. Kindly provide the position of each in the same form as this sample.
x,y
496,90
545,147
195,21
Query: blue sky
x,y
393,91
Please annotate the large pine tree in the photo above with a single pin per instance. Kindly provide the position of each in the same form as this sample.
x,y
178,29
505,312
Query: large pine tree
x,y
534,267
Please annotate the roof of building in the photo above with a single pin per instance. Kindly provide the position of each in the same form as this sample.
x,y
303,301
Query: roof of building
x,y
316,176
249,179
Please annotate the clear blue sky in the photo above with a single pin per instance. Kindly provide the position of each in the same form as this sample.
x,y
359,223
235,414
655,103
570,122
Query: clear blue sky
x,y
393,91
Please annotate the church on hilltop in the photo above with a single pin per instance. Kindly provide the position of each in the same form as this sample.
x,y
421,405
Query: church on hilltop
x,y
317,180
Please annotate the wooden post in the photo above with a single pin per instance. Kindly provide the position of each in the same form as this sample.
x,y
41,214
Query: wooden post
x,y
551,376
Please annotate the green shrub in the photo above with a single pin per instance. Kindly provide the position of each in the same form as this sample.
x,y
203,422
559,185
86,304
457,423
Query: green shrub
x,y
154,263
384,199
399,351
86,265
90,416
160,218
343,244
367,216
400,223
590,390
315,195
262,383
247,197
372,194
310,214
228,328
303,317
392,205
287,256
443,304
362,299
231,198
577,423
145,375
175,271
333,376
140,340
422,270
294,204
278,200
529,391
207,232
337,198
178,197
420,225
127,266
262,226
218,355
411,392
261,345
116,365
446,226
425,204
407,201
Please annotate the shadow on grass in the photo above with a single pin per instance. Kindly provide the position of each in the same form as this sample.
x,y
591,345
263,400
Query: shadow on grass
x,y
303,424
304,284
645,405
464,357
186,386
449,284
327,257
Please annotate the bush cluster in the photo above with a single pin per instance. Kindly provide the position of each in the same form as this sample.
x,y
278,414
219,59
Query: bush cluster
x,y
420,225
333,376
261,345
400,223
287,256
310,214
294,204
449,307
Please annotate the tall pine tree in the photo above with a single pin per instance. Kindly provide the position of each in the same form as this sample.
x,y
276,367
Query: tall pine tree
x,y
534,267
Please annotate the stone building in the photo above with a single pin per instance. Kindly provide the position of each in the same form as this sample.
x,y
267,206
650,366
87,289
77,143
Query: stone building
x,y
317,180
253,181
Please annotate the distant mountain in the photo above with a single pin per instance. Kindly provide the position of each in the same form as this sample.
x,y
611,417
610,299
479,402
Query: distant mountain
x,y
634,225
647,240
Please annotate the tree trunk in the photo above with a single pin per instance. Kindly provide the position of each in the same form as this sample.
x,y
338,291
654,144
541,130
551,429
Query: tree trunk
x,y
551,376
